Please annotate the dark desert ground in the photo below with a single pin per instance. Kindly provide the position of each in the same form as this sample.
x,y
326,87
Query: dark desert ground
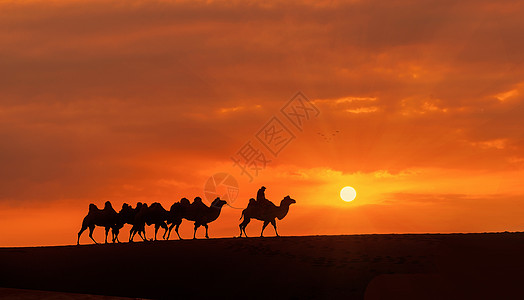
x,y
396,266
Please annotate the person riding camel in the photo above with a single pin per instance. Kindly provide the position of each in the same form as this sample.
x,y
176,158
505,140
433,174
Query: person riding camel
x,y
261,197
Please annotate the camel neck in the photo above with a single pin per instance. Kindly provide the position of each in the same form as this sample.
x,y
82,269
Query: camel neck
x,y
282,211
214,212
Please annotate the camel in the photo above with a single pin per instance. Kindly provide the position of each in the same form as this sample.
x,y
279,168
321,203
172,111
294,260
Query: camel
x,y
138,223
133,220
175,215
106,218
125,216
201,214
266,212
154,214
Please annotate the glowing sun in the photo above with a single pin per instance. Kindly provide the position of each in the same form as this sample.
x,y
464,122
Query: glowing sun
x,y
348,193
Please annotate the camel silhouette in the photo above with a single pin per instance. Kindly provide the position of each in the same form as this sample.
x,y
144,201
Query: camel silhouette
x,y
133,222
175,216
154,214
201,214
126,215
106,218
266,212
139,224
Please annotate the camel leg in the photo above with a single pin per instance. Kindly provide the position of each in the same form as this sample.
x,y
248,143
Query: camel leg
x,y
91,229
142,230
274,223
132,233
84,227
194,232
207,236
107,232
164,225
156,229
169,231
176,230
264,227
116,232
243,226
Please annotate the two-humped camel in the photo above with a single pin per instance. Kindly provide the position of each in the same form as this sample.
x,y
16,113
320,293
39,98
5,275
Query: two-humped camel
x,y
150,215
155,214
201,214
106,218
176,214
267,212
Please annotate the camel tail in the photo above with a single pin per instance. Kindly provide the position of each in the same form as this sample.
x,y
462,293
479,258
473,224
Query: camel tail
x,y
241,216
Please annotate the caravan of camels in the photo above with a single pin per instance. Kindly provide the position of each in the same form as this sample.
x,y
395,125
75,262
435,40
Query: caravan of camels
x,y
198,212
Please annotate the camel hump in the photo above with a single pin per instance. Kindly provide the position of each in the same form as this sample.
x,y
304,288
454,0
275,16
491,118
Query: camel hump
x,y
156,205
252,201
109,207
92,207
198,204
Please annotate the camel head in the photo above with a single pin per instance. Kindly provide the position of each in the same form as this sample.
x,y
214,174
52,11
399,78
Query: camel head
x,y
287,201
218,202
108,205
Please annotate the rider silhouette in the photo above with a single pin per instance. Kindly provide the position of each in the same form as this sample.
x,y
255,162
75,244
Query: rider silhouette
x,y
261,196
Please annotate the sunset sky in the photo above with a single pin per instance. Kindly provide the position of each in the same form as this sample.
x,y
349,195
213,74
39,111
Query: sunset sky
x,y
420,109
